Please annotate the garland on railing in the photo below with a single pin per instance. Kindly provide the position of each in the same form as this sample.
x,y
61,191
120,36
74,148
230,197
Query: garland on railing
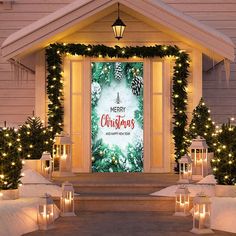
x,y
55,52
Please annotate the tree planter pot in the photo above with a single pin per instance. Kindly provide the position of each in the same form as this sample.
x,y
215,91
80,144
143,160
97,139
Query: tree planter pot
x,y
10,194
32,164
210,157
225,190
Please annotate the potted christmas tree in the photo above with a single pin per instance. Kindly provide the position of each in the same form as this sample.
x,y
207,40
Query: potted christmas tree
x,y
203,126
35,138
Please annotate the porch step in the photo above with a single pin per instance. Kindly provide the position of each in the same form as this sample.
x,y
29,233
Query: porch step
x,y
138,189
123,203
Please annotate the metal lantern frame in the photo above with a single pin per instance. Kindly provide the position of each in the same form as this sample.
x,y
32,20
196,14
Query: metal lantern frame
x,y
185,169
199,155
118,26
46,212
62,154
46,164
182,201
67,200
201,214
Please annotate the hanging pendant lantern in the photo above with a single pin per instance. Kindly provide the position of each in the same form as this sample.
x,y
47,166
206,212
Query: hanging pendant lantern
x,y
118,26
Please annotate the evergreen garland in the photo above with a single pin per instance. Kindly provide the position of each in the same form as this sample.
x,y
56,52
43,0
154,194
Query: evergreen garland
x,y
54,56
224,161
35,138
202,125
10,162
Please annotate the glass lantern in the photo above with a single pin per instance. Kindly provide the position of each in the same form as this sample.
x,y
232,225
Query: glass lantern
x,y
67,200
199,155
182,201
46,212
61,154
46,164
185,169
201,214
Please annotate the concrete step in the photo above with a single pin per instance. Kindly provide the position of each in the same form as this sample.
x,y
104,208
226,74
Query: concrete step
x,y
117,188
124,203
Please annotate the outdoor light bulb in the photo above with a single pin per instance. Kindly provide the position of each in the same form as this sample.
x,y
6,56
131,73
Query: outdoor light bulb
x,y
13,163
230,162
223,146
7,135
64,44
23,162
19,149
1,194
230,155
215,169
54,78
180,65
232,118
123,52
164,48
58,52
54,67
89,49
30,145
2,176
10,144
28,155
5,182
226,177
4,154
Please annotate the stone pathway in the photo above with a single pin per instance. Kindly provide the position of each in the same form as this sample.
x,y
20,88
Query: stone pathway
x,y
122,223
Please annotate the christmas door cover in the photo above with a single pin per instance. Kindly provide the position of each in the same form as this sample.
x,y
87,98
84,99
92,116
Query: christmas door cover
x,y
117,116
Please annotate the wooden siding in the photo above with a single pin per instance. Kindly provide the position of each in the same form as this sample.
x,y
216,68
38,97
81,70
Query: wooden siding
x,y
219,14
220,94
17,97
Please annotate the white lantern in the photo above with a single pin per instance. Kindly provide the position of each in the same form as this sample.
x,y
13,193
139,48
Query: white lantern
x,y
185,169
201,214
46,212
182,201
67,200
199,155
62,154
46,164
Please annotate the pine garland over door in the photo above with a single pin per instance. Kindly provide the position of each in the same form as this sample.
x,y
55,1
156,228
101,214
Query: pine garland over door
x,y
54,57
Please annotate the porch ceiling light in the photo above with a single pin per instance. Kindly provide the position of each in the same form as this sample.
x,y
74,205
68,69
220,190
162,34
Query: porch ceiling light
x,y
118,26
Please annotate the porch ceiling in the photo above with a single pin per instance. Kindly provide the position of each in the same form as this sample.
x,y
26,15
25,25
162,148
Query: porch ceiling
x,y
84,12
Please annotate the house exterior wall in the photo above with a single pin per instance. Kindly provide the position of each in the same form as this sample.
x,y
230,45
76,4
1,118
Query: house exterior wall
x,y
17,85
17,99
219,93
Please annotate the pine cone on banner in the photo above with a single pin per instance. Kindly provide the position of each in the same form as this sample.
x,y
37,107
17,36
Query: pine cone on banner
x,y
136,85
95,92
118,71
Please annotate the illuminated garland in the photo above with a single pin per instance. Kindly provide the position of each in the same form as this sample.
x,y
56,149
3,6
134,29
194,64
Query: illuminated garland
x,y
55,53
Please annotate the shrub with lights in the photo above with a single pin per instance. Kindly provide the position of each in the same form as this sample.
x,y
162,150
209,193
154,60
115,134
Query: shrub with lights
x,y
202,125
35,138
10,162
224,162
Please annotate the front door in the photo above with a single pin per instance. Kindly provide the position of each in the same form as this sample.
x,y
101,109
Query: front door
x,y
117,116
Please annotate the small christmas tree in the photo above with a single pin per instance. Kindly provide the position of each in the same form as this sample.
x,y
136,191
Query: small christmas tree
x,y
202,125
10,162
35,138
224,162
